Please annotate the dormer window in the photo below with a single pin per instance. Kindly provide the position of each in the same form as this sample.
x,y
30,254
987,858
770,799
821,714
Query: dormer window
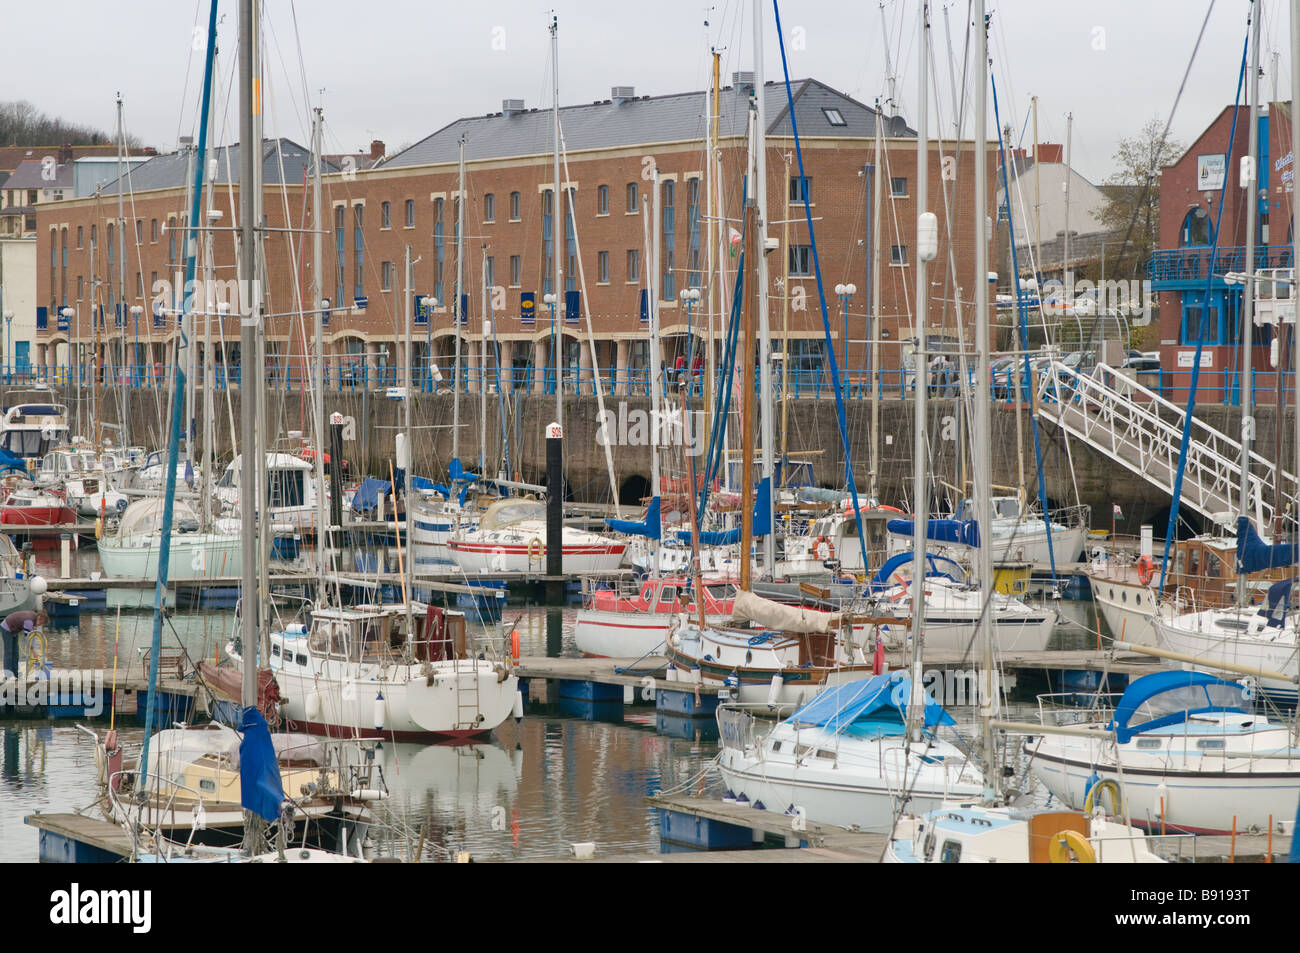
x,y
834,117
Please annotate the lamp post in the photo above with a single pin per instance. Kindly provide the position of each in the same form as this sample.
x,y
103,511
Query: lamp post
x,y
845,294
690,296
429,302
549,300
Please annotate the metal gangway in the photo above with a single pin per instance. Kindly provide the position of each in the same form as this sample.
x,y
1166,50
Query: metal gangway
x,y
1136,427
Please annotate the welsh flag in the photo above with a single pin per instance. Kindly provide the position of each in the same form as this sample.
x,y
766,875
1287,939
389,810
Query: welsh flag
x,y
1118,513
733,237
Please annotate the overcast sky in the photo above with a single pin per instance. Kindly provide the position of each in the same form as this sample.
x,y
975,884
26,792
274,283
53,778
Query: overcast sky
x,y
397,70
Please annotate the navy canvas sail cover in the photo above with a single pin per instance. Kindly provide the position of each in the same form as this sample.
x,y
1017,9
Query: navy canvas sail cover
x,y
260,788
961,532
1255,555
1279,596
366,499
650,527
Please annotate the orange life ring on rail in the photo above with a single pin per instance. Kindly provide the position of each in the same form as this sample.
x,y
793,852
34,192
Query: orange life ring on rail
x,y
816,548
1146,568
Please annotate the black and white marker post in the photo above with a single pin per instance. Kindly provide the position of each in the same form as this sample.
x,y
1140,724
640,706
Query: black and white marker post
x,y
336,484
554,511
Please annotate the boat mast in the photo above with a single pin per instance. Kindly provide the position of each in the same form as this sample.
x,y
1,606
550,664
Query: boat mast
x,y
250,178
208,459
920,482
760,257
1247,381
877,184
482,366
1065,255
125,432
558,231
656,375
456,317
711,143
408,568
318,352
983,436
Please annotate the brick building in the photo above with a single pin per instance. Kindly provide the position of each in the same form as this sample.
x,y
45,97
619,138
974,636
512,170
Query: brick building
x,y
1189,280
511,231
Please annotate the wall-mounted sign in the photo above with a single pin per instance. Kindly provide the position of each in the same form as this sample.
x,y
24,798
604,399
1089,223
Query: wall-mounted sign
x,y
1211,172
1188,358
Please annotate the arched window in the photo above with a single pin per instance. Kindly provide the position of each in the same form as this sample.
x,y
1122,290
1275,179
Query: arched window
x,y
1198,228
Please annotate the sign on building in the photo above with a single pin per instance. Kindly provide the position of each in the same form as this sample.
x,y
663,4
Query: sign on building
x,y
1211,172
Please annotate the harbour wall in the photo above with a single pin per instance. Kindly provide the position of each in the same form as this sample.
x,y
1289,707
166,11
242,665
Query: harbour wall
x,y
1072,470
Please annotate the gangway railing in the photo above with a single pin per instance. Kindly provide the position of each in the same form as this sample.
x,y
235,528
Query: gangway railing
x,y
1142,431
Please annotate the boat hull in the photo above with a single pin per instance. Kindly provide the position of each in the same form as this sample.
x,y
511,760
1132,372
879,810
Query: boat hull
x,y
192,556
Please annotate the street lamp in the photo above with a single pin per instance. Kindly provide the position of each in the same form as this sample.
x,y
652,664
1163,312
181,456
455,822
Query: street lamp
x,y
549,300
690,296
845,294
73,349
429,302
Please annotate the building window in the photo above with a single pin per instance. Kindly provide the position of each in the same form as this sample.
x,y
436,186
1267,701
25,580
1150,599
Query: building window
x,y
78,237
834,117
139,285
693,227
633,264
516,267
79,288
548,242
898,186
439,249
139,231
489,271
153,230
514,206
489,208
386,276
667,278
410,213
798,194
570,242
385,216
898,254
602,261
1197,228
94,231
631,196
171,239
358,252
801,261
153,281
340,245
602,200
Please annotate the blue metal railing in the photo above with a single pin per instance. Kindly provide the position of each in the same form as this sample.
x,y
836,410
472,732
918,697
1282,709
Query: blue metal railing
x,y
1198,263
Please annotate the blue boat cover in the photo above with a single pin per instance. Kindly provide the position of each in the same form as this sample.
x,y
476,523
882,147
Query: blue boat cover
x,y
651,527
422,483
935,567
1255,555
1170,698
456,472
366,499
964,532
761,521
1279,595
840,706
260,788
9,462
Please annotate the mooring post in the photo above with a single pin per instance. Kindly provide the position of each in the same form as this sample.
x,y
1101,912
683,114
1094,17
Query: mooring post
x,y
554,512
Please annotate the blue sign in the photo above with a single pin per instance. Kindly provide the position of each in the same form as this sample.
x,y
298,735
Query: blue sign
x,y
159,316
325,318
42,319
463,316
119,315
63,323
572,306
423,314
645,306
528,308
360,303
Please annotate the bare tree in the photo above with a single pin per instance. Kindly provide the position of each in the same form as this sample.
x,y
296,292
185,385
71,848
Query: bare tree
x,y
1134,193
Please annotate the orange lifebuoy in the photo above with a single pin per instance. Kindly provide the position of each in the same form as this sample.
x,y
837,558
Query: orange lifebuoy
x,y
816,547
536,549
514,646
1146,568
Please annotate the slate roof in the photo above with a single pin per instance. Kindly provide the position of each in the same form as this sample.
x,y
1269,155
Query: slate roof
x,y
170,171
644,120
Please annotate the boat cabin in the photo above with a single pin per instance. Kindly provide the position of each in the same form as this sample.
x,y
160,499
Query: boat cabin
x,y
373,634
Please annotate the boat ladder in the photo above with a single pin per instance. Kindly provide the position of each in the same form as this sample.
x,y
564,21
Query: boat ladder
x,y
468,708
1142,431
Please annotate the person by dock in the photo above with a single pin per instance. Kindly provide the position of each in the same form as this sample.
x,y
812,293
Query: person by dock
x,y
25,620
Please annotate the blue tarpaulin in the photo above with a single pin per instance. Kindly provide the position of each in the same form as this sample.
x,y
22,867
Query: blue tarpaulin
x,y
935,566
260,788
962,532
1169,698
650,527
9,462
366,499
1279,595
841,705
1255,555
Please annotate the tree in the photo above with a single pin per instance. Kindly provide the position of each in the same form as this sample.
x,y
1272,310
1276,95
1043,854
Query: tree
x,y
1133,189
22,124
